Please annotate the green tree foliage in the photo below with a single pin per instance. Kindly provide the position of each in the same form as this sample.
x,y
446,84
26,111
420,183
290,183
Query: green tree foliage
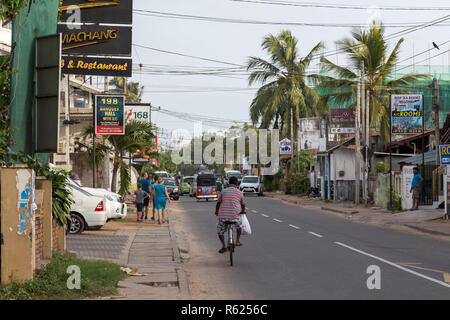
x,y
138,135
283,85
370,47
10,9
135,91
297,182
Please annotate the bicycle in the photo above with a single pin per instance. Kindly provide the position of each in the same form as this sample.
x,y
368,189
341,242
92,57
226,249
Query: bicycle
x,y
230,240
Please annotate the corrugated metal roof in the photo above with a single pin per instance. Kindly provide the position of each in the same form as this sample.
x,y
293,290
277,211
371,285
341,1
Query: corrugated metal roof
x,y
430,157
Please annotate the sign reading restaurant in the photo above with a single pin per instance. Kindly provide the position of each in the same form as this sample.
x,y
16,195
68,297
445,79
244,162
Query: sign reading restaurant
x,y
96,66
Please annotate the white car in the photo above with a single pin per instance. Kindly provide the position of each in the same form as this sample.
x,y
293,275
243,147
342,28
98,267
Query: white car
x,y
251,184
161,174
88,211
116,209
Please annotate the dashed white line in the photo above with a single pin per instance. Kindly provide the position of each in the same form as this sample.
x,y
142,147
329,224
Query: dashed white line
x,y
315,234
255,211
264,215
295,227
395,265
277,220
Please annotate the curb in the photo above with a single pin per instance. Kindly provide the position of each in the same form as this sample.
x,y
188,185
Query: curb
x,y
438,233
183,282
336,210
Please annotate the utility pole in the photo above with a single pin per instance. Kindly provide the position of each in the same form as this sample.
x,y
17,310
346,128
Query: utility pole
x,y
292,137
67,117
357,138
436,118
105,162
367,143
298,146
363,125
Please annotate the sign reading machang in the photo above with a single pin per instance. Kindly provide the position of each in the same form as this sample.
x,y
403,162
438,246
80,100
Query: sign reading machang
x,y
96,40
109,115
96,66
407,113
97,11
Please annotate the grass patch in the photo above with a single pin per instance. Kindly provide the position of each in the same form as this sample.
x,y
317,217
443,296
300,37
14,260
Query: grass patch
x,y
98,278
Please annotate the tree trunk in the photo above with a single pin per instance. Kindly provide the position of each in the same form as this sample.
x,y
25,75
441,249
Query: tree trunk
x,y
114,177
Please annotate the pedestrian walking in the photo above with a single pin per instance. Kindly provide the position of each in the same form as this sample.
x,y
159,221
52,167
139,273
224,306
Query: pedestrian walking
x,y
415,188
161,196
140,196
145,182
152,186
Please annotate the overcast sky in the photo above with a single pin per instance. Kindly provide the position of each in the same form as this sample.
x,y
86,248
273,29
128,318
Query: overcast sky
x,y
234,43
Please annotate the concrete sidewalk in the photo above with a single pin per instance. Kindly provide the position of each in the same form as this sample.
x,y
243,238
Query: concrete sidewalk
x,y
147,246
426,221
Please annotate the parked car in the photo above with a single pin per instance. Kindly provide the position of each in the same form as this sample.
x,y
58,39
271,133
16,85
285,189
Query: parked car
x,y
161,174
184,188
172,189
117,209
251,184
88,211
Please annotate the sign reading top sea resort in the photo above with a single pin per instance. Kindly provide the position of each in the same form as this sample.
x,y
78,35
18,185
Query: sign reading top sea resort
x,y
407,113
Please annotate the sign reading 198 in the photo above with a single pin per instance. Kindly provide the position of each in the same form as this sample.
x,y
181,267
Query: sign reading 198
x,y
110,101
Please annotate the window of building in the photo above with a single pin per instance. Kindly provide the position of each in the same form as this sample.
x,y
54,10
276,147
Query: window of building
x,y
80,99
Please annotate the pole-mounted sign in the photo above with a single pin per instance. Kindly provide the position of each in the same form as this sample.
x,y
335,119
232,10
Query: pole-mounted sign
x,y
407,113
109,115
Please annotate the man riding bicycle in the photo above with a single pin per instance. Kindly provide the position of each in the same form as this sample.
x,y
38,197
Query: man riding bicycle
x,y
230,205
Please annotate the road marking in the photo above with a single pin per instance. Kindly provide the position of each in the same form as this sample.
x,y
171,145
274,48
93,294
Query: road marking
x,y
265,215
254,211
445,274
315,234
277,220
295,227
395,265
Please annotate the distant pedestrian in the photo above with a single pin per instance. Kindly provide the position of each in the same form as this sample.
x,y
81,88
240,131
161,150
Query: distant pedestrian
x,y
152,185
415,188
161,196
145,182
140,196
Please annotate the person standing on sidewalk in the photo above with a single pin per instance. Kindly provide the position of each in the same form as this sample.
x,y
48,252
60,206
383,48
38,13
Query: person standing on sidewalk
x,y
160,195
140,196
415,188
145,182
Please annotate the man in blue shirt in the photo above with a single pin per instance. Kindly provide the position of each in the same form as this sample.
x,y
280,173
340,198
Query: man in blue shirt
x,y
145,182
415,188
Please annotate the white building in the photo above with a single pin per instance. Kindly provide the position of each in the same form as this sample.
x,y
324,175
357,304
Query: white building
x,y
5,40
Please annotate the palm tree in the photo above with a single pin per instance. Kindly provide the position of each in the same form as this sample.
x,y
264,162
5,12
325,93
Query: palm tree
x,y
370,47
134,90
138,135
283,83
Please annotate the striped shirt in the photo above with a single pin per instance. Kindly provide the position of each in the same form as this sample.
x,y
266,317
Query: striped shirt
x,y
231,201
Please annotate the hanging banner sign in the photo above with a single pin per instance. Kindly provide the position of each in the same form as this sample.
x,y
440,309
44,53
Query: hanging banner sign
x,y
407,113
97,66
285,146
96,40
109,115
97,11
342,130
342,116
138,112
444,154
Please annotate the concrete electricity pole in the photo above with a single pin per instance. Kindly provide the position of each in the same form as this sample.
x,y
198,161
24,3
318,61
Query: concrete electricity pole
x,y
436,118
105,162
367,142
363,125
357,138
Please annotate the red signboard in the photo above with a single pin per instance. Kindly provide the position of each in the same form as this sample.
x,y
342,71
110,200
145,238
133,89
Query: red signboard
x,y
342,116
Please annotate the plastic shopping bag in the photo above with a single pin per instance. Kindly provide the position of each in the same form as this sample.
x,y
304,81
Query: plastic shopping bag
x,y
246,230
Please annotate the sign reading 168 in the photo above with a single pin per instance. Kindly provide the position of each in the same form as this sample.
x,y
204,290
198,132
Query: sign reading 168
x,y
140,115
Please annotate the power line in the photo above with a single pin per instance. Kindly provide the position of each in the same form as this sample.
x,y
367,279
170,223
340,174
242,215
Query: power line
x,y
171,15
339,6
186,55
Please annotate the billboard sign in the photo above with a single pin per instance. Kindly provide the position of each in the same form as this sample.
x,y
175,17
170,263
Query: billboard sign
x,y
138,112
97,66
96,40
342,116
444,154
310,133
109,115
407,113
97,11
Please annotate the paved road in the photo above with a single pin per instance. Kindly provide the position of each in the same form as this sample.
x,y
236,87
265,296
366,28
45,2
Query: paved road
x,y
299,254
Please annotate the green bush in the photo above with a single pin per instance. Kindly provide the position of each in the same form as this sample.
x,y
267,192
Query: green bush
x,y
297,183
98,278
381,167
